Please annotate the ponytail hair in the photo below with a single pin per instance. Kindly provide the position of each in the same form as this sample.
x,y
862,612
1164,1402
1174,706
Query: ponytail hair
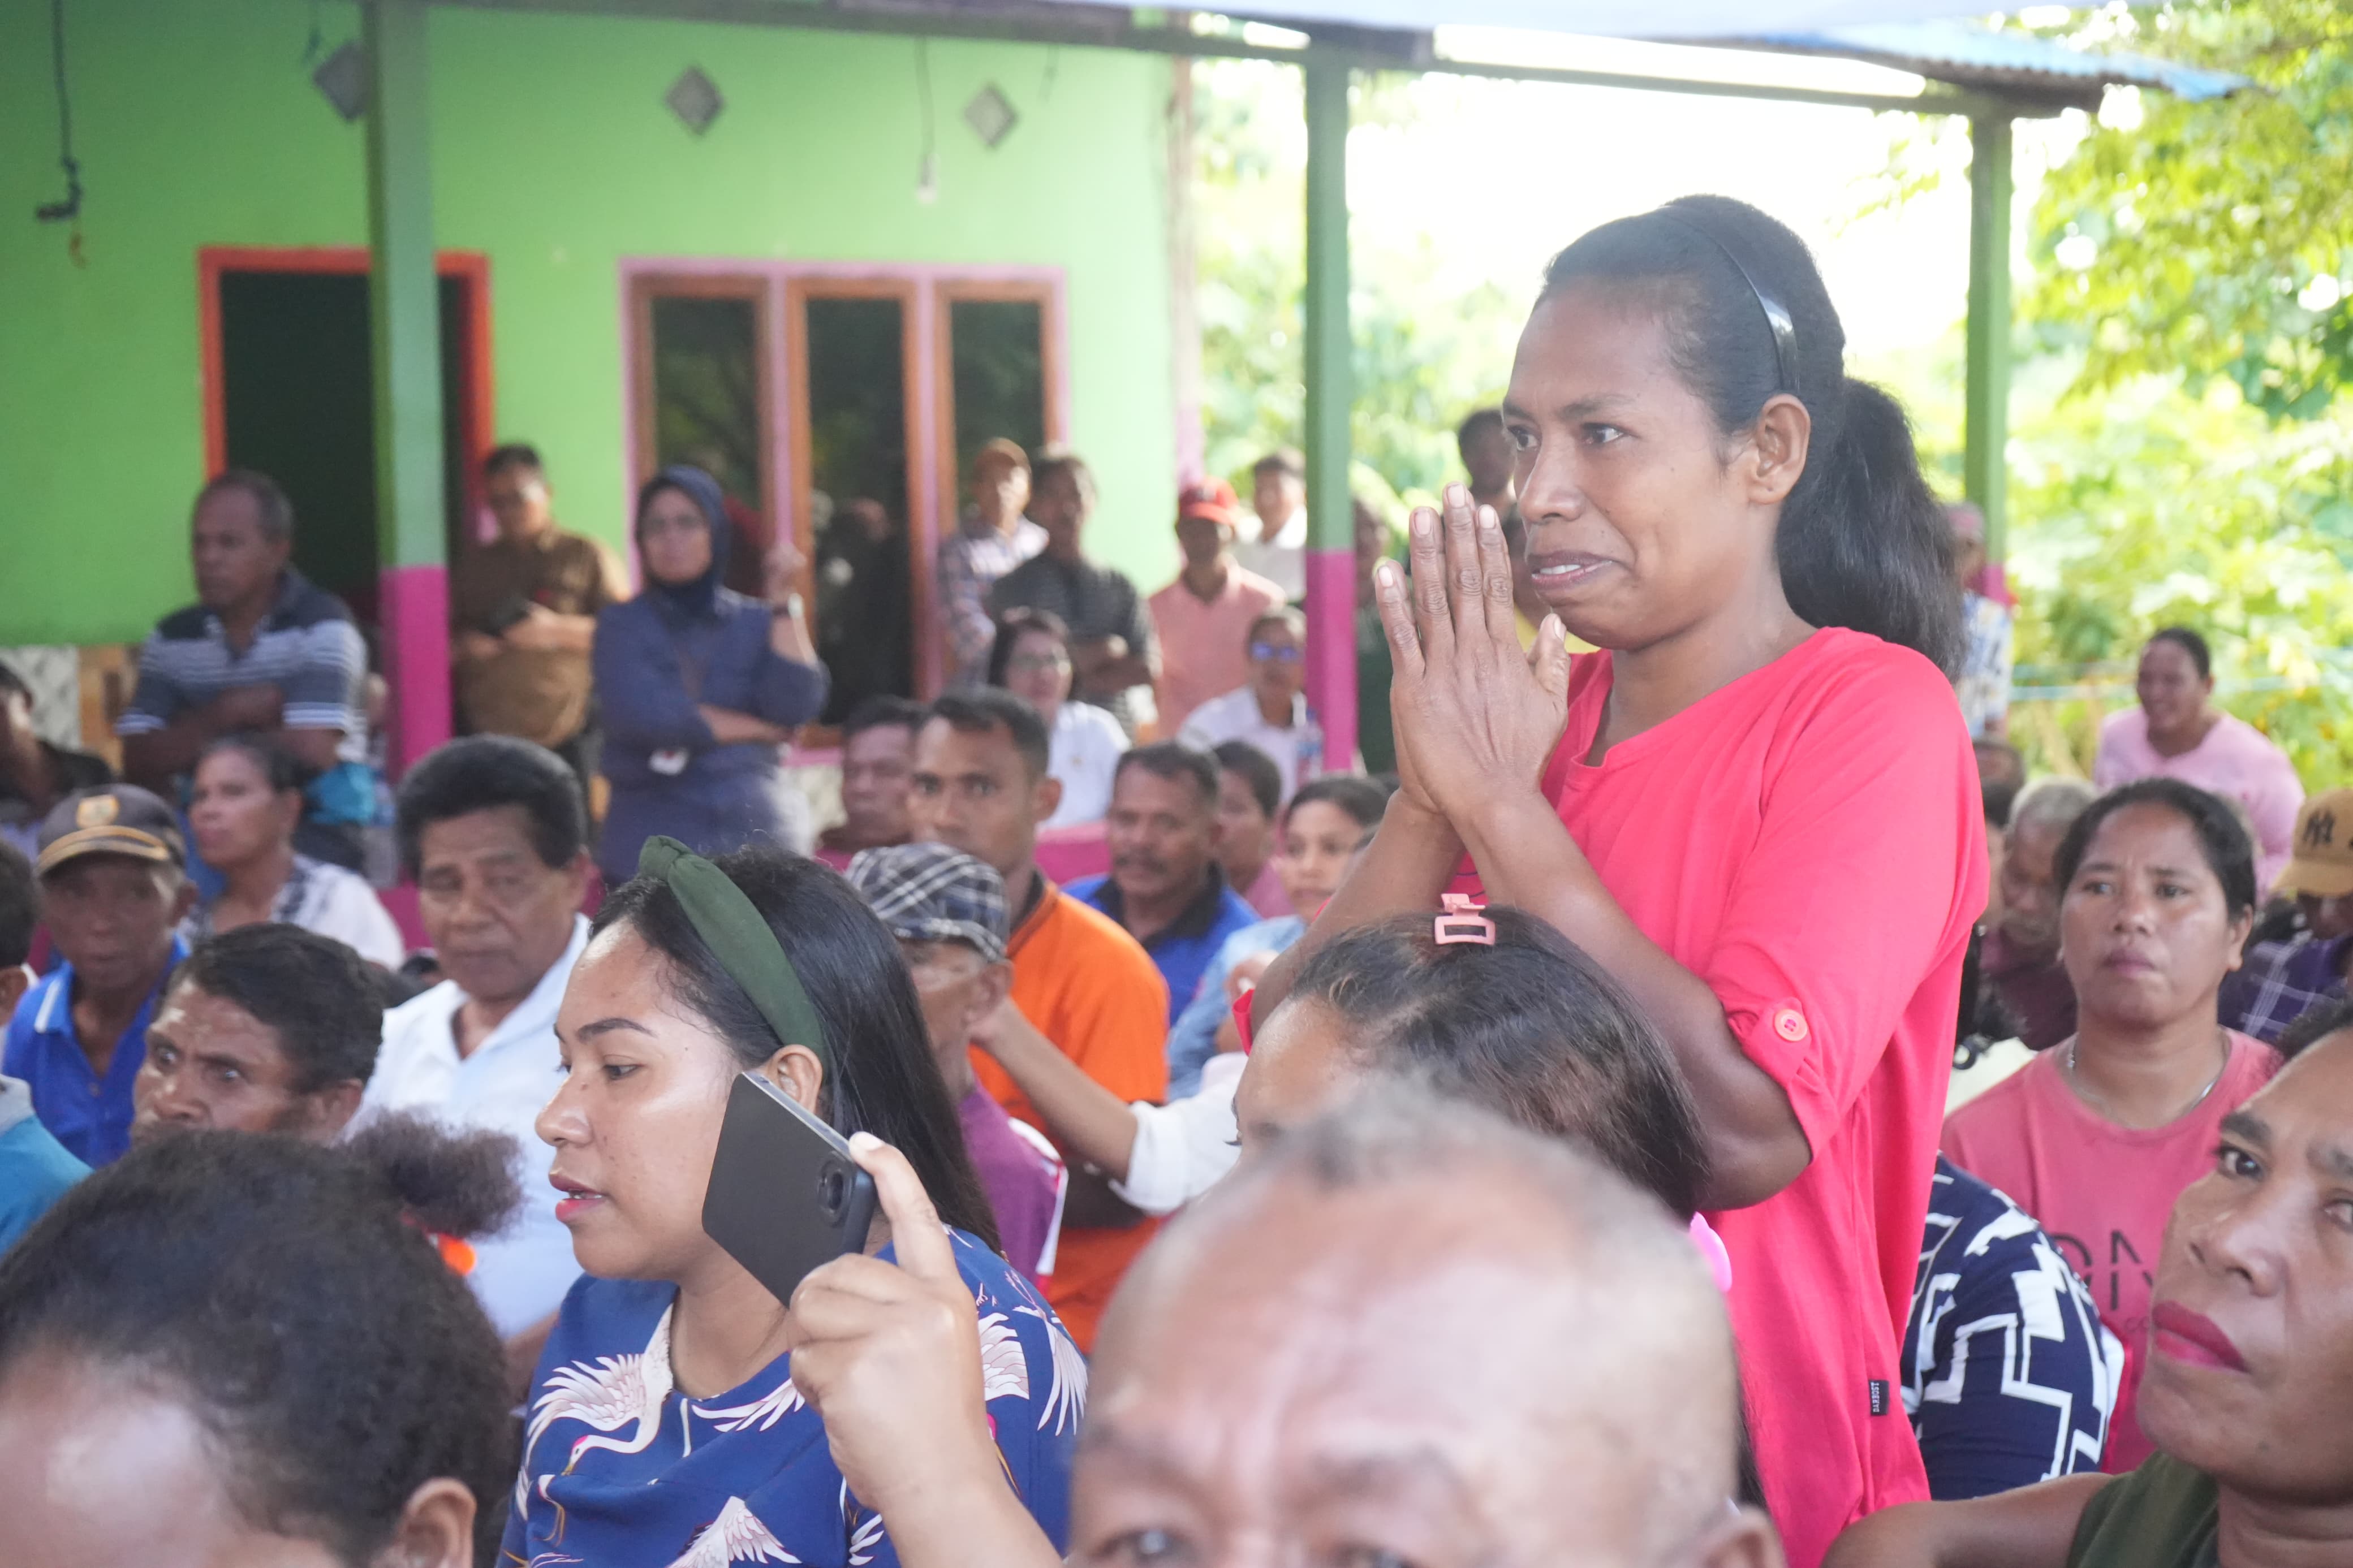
x,y
1862,543
458,1183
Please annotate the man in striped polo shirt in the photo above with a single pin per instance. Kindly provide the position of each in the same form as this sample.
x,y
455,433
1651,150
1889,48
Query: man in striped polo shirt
x,y
264,651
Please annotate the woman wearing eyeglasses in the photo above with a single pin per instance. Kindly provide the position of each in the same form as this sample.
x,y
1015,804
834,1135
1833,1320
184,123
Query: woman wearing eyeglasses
x,y
1032,660
1755,805
1271,712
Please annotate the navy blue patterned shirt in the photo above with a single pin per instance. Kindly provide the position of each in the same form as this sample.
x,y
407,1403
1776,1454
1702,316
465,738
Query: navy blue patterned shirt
x,y
2279,980
2008,1375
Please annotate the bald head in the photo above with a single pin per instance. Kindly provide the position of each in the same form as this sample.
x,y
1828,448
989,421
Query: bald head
x,y
1411,1327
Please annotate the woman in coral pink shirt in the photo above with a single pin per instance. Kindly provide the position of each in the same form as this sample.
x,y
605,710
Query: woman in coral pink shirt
x,y
1756,806
2096,1136
2175,732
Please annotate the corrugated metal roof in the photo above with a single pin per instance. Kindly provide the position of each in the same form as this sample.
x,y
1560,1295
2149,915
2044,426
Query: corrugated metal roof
x,y
1921,37
1603,18
2015,65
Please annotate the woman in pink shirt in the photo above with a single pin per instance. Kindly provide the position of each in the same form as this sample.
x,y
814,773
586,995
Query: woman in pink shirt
x,y
1756,806
2177,733
2096,1136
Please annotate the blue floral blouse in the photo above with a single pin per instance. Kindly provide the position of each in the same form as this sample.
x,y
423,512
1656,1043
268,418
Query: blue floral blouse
x,y
618,1467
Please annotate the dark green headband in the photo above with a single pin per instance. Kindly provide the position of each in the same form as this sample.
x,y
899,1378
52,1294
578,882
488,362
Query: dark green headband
x,y
742,940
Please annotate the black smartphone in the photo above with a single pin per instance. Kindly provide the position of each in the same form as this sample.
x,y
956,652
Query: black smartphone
x,y
508,614
786,1195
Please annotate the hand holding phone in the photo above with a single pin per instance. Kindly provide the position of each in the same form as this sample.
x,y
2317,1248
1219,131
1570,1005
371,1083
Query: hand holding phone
x,y
889,1356
786,1195
506,614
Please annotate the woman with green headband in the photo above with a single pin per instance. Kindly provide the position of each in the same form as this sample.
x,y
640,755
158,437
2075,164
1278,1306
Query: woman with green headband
x,y
664,1425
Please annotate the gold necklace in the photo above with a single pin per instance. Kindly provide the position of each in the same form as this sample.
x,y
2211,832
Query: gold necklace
x,y
2083,1091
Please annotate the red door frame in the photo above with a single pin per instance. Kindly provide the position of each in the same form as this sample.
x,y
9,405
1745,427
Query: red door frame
x,y
212,260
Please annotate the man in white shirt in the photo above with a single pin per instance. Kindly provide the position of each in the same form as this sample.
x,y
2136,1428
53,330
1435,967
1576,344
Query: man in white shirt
x,y
1278,496
1271,712
492,832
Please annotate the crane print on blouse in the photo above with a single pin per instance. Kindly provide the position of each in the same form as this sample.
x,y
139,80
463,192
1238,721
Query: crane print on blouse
x,y
633,1392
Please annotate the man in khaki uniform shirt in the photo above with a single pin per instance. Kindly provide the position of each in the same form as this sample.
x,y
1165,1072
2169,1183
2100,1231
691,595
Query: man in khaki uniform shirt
x,y
523,615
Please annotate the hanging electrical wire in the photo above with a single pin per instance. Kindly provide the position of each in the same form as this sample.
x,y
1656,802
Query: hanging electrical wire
x,y
69,209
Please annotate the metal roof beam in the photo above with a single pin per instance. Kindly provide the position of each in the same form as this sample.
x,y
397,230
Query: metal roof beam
x,y
1079,31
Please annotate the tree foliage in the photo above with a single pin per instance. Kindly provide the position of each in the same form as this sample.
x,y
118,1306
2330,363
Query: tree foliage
x,y
2214,238
1419,367
2183,447
2182,437
2147,507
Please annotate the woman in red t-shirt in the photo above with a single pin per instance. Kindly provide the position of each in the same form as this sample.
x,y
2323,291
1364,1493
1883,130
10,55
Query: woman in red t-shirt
x,y
2096,1136
1756,807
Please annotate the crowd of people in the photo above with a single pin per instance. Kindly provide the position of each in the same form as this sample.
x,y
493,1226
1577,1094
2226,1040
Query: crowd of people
x,y
1693,1102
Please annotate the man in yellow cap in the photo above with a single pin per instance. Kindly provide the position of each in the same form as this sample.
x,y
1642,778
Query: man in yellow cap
x,y
113,876
2281,978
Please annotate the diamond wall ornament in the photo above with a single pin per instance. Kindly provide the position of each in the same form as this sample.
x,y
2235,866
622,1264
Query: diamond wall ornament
x,y
991,116
694,99
342,80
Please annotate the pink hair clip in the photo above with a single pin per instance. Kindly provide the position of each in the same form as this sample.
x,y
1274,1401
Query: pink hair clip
x,y
1462,921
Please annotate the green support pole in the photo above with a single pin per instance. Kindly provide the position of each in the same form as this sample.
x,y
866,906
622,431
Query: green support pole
x,y
403,310
1985,473
1331,533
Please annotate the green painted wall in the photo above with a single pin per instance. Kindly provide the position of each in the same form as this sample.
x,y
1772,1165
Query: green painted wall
x,y
196,124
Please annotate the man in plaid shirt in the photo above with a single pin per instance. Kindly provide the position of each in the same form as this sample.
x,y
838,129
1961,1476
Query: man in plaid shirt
x,y
990,541
2280,979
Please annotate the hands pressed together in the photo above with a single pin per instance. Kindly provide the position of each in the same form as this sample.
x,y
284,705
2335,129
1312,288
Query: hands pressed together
x,y
1476,718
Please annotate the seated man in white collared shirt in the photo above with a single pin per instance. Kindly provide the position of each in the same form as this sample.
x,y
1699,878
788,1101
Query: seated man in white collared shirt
x,y
493,831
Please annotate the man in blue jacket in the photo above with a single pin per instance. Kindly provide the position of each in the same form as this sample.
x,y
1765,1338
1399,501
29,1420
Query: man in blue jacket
x,y
1166,888
34,1168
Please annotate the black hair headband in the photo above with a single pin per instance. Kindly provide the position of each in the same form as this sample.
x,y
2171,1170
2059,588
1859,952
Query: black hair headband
x,y
1777,315
742,940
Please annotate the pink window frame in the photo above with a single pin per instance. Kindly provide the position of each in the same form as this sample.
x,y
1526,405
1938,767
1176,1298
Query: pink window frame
x,y
932,502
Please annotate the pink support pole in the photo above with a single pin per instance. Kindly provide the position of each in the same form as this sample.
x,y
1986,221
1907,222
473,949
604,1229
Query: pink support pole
x,y
414,605
1331,653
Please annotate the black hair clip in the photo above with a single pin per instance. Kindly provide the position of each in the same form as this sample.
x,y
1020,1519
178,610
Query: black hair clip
x,y
1777,315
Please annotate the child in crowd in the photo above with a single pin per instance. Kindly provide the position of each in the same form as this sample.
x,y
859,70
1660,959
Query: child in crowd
x,y
233,1347
1157,1156
1323,827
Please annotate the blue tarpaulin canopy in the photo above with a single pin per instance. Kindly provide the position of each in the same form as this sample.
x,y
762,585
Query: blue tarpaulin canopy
x,y
1608,18
2013,64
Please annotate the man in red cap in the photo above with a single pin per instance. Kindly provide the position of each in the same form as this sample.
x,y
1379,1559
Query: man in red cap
x,y
1203,618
